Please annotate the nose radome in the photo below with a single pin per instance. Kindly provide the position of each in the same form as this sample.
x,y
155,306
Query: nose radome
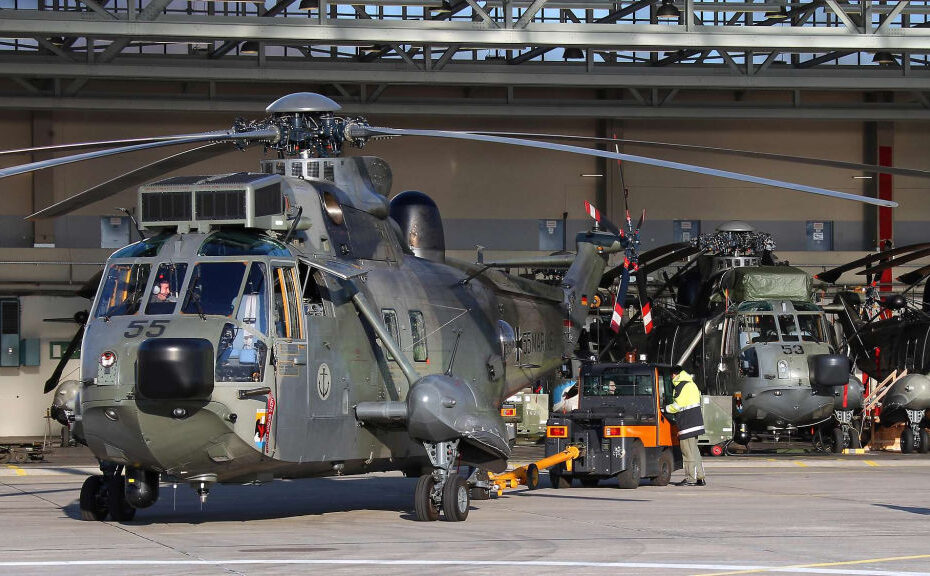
x,y
175,368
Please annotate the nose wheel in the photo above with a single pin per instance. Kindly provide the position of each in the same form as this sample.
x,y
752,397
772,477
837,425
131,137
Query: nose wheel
x,y
442,489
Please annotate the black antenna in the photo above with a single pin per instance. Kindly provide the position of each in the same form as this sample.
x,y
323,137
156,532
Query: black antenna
x,y
455,347
134,223
290,231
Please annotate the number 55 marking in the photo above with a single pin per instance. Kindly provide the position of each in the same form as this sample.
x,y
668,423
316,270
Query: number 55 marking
x,y
156,328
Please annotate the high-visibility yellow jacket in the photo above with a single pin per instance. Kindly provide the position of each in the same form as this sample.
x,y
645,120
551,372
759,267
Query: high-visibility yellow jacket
x,y
687,404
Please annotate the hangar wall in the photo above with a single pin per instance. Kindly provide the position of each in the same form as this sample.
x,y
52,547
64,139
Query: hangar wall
x,y
24,405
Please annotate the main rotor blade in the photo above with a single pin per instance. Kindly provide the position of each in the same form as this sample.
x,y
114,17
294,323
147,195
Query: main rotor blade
x,y
629,158
52,382
127,180
220,136
833,274
660,263
662,250
98,144
915,276
731,151
882,266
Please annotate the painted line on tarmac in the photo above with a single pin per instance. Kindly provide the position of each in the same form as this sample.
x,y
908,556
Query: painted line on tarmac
x,y
871,462
19,471
807,567
731,569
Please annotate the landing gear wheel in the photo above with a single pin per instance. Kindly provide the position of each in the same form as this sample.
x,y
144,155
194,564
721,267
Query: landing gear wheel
x,y
120,510
839,440
478,493
93,501
455,500
665,469
716,450
854,441
907,441
426,510
532,477
590,481
924,446
629,478
558,479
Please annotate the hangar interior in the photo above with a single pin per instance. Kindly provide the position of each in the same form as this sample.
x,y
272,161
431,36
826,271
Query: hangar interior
x,y
827,79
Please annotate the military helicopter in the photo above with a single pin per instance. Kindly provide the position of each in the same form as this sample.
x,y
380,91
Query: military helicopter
x,y
294,323
888,333
758,346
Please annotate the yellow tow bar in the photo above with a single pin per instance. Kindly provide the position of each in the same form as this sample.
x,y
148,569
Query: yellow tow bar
x,y
529,475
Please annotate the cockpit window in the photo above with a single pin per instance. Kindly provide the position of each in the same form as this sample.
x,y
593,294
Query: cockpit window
x,y
789,328
756,328
760,306
144,248
253,310
213,288
166,289
123,290
805,307
233,243
619,384
811,326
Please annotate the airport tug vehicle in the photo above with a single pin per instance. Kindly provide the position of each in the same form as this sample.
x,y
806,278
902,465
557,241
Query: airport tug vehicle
x,y
619,428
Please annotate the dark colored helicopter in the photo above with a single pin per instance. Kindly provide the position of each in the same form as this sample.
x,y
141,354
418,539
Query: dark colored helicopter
x,y
746,327
887,333
295,323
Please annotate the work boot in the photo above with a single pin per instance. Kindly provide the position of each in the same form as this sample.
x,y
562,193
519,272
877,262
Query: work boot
x,y
686,482
700,482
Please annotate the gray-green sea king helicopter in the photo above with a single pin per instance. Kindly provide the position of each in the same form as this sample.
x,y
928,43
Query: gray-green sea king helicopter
x,y
296,323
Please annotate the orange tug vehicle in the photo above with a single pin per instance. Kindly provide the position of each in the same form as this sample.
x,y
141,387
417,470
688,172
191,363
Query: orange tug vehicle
x,y
618,429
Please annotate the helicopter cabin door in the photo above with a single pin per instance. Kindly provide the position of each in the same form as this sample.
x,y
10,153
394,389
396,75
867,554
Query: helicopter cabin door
x,y
290,349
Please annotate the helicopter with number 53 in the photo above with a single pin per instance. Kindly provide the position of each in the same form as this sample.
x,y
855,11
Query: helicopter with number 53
x,y
294,322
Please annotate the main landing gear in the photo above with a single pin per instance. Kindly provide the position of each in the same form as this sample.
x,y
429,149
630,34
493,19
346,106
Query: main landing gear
x,y
914,438
442,489
110,495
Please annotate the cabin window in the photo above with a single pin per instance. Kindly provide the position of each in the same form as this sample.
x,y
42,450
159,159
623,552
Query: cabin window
x,y
749,363
755,328
789,328
214,288
390,322
144,248
166,289
123,290
253,307
811,326
619,384
418,333
287,318
237,243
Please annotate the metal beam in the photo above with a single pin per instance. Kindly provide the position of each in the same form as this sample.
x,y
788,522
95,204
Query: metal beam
x,y
521,108
299,70
530,12
895,12
614,36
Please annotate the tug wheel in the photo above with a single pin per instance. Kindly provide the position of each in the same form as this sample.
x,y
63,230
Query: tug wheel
x,y
629,478
532,477
455,500
426,510
665,470
93,500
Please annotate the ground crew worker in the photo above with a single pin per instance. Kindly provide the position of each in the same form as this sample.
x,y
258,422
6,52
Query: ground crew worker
x,y
687,405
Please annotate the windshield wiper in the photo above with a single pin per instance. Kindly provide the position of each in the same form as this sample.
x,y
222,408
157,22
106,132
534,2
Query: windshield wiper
x,y
190,297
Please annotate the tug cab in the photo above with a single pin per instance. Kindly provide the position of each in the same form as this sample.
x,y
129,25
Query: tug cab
x,y
618,426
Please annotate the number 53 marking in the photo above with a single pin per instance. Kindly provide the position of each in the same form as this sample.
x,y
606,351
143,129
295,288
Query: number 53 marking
x,y
156,328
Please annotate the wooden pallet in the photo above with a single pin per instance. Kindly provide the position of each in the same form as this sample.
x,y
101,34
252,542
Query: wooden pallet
x,y
888,439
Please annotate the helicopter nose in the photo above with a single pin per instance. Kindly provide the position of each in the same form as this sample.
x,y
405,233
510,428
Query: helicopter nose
x,y
175,368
